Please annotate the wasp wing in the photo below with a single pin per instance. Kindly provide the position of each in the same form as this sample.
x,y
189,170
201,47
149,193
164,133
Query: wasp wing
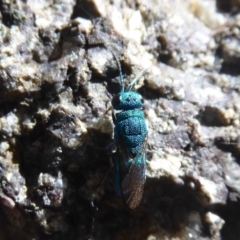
x,y
133,182
132,174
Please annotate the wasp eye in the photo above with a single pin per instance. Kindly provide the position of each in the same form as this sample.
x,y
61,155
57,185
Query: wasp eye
x,y
116,100
141,99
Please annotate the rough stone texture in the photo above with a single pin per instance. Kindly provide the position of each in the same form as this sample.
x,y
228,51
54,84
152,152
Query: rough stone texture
x,y
58,73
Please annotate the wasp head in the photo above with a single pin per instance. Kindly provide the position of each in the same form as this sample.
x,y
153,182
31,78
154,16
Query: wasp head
x,y
127,100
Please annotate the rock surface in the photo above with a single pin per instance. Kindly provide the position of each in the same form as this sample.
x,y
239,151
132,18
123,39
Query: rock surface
x,y
58,73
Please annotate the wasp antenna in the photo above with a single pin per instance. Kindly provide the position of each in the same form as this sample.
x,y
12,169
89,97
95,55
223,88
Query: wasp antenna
x,y
120,71
121,75
87,14
130,86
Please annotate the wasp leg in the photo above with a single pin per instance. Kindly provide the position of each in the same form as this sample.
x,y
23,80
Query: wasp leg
x,y
117,181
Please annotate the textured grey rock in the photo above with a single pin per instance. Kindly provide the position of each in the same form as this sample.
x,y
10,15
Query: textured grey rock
x,y
58,73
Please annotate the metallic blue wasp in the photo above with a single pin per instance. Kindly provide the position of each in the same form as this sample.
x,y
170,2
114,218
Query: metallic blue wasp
x,y
130,133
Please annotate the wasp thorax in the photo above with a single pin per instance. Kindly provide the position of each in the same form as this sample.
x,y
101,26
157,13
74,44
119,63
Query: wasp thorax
x,y
127,100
